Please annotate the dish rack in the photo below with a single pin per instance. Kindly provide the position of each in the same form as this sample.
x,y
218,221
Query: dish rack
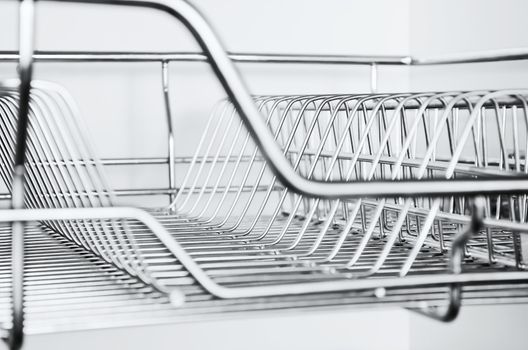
x,y
410,199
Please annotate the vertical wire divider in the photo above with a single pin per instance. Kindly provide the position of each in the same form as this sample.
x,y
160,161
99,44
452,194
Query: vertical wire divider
x,y
373,78
170,130
25,67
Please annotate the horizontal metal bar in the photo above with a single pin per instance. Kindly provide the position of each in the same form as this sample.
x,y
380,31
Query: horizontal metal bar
x,y
237,91
222,291
121,192
177,160
92,56
159,191
142,160
397,60
245,158
150,160
514,54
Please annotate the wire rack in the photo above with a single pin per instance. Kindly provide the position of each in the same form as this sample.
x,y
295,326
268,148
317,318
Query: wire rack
x,y
289,202
67,291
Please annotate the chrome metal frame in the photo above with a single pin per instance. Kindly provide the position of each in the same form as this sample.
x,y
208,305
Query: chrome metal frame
x,y
235,88
25,68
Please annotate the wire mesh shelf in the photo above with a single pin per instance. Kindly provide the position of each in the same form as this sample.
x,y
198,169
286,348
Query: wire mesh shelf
x,y
307,201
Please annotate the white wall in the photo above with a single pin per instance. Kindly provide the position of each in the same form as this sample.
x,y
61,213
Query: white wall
x,y
123,103
308,330
476,327
131,91
443,27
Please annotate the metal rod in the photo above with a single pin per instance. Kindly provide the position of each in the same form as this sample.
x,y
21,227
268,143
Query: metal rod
x,y
373,78
128,56
179,160
236,89
25,68
101,56
170,130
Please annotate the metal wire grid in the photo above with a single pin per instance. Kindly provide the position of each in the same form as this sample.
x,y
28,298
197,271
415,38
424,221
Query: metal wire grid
x,y
358,137
68,288
65,174
226,218
397,236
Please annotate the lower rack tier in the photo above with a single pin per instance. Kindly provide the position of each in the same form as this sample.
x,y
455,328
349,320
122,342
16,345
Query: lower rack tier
x,y
70,288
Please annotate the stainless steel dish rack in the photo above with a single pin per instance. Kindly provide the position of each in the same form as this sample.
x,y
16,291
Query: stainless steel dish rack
x,y
410,199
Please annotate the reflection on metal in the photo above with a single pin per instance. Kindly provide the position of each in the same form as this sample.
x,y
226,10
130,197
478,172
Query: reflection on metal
x,y
357,198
